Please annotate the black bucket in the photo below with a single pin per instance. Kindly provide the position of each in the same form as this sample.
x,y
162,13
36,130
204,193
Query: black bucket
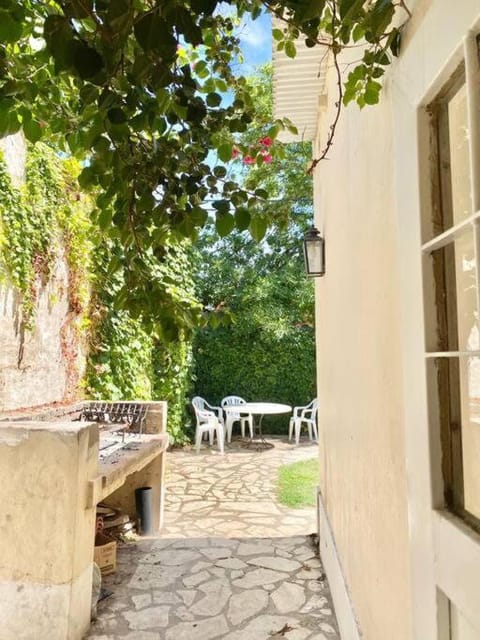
x,y
144,507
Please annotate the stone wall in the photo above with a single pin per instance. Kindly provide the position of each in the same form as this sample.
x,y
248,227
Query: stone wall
x,y
42,365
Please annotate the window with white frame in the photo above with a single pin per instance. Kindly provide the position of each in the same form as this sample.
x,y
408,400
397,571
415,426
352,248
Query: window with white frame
x,y
451,258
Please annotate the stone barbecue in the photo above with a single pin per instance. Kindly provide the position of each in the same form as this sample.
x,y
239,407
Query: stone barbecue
x,y
56,465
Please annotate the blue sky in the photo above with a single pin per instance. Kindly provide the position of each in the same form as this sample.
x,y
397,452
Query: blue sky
x,y
256,42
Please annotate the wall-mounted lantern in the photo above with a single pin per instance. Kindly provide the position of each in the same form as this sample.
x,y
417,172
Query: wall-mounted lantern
x,y
314,253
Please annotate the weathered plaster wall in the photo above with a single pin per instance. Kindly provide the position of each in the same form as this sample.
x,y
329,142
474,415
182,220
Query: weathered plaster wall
x,y
47,544
362,450
43,365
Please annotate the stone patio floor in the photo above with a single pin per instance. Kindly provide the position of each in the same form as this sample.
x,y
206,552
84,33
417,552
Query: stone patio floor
x,y
231,563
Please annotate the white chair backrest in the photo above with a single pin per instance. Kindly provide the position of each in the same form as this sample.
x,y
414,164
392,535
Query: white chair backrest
x,y
198,403
201,413
228,401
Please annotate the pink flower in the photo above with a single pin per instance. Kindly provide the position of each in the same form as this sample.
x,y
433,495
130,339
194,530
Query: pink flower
x,y
267,158
248,160
235,153
266,141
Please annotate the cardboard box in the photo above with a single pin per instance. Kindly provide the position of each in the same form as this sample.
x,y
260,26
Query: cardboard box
x,y
105,553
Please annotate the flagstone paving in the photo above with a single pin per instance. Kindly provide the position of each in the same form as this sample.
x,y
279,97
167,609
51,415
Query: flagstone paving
x,y
231,562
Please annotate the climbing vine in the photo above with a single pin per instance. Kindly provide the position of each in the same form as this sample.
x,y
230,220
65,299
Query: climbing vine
x,y
135,89
129,357
41,220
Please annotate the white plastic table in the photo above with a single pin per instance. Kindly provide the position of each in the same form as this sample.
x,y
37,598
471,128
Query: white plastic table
x,y
259,409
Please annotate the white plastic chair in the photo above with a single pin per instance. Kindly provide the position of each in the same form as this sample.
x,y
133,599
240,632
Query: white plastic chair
x,y
307,416
209,422
235,416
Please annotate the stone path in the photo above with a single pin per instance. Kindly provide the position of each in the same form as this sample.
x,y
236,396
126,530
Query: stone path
x,y
231,563
233,495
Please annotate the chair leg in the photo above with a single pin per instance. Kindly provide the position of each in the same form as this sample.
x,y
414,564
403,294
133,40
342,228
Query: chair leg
x,y
220,438
250,427
242,427
315,431
298,426
290,429
228,428
198,440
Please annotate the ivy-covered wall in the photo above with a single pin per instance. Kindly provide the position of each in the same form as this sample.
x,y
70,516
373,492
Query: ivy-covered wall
x,y
130,359
44,277
61,335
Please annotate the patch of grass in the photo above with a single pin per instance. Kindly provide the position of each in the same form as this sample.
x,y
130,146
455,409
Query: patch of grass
x,y
296,483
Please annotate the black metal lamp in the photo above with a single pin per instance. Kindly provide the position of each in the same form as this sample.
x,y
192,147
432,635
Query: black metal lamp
x,y
314,253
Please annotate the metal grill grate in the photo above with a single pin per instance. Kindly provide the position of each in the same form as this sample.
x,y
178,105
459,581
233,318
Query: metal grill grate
x,y
123,416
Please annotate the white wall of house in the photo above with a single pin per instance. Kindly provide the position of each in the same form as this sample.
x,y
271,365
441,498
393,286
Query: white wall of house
x,y
362,449
390,556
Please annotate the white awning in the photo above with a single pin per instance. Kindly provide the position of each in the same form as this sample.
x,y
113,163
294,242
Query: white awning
x,y
298,85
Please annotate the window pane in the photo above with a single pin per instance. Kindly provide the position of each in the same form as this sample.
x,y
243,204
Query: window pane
x,y
455,299
459,156
470,408
455,385
450,159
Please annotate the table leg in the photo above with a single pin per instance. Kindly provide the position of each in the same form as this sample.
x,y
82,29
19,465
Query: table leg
x,y
259,442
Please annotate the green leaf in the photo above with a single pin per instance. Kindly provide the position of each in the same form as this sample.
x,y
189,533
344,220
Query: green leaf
x,y
308,9
222,206
358,32
86,178
116,115
290,49
86,60
224,223
395,41
277,34
219,171
381,15
58,35
32,130
225,151
261,193
105,220
372,92
214,100
10,29
199,216
258,228
89,94
154,34
350,9
9,121
187,25
242,218
77,8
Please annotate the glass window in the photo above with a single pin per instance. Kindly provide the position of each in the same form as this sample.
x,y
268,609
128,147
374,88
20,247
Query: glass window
x,y
451,301
459,156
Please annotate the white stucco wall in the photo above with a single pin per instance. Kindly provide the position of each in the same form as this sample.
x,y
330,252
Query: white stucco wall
x,y
362,451
379,458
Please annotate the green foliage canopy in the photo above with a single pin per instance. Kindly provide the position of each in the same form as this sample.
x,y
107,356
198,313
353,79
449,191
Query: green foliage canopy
x,y
133,88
